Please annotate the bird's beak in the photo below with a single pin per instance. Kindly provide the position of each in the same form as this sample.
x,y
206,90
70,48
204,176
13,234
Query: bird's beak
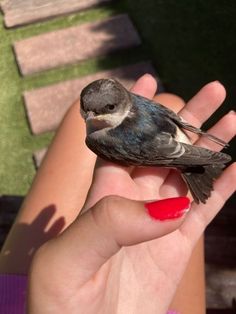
x,y
95,123
90,115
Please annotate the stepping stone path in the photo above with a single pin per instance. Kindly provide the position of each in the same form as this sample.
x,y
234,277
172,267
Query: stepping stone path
x,y
75,44
38,157
46,106
27,11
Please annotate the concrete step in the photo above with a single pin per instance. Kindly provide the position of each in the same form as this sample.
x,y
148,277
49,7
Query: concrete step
x,y
38,157
74,44
46,106
20,12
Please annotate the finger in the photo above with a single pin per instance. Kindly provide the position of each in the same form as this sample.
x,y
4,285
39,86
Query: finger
x,y
225,129
201,215
112,223
112,179
171,101
149,180
145,86
174,185
203,105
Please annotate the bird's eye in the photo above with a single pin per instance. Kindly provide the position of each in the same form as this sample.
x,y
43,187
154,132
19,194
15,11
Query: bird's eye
x,y
110,107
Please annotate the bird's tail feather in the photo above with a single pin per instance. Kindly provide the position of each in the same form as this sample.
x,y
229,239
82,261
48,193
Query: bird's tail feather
x,y
200,180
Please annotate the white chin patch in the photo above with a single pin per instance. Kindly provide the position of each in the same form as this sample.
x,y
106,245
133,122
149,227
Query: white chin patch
x,y
114,119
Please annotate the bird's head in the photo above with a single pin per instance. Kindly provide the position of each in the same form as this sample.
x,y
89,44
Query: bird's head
x,y
104,104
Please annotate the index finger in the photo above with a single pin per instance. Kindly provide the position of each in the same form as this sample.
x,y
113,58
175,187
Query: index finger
x,y
145,86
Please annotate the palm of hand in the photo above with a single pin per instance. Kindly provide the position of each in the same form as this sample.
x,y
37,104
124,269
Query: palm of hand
x,y
150,271
146,271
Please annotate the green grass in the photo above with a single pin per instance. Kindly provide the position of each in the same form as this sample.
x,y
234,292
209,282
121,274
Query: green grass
x,y
190,43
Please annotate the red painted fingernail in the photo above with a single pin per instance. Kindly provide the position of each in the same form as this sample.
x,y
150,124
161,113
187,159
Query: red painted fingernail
x,y
170,208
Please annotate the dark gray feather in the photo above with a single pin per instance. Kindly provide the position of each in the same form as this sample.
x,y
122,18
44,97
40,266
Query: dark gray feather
x,y
176,119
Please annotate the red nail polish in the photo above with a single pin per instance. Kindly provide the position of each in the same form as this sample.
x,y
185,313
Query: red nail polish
x,y
170,208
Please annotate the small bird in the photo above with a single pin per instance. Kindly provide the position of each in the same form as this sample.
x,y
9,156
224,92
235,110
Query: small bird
x,y
132,130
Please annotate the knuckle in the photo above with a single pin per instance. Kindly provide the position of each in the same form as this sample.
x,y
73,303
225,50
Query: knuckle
x,y
110,202
107,219
107,210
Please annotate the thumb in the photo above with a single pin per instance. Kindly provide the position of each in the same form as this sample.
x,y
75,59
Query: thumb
x,y
111,223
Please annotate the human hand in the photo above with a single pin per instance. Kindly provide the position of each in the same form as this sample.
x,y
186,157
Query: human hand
x,y
101,263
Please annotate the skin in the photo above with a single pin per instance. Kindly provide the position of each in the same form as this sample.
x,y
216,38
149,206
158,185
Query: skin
x,y
81,259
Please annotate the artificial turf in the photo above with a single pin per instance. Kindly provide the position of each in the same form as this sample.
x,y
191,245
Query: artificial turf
x,y
190,43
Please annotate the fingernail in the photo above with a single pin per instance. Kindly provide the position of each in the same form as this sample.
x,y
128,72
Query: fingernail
x,y
170,208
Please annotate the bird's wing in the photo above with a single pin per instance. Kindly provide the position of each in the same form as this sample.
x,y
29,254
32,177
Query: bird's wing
x,y
167,151
178,120
185,125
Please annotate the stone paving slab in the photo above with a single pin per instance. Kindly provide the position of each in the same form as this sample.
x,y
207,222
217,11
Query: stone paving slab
x,y
46,106
74,44
38,157
20,12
